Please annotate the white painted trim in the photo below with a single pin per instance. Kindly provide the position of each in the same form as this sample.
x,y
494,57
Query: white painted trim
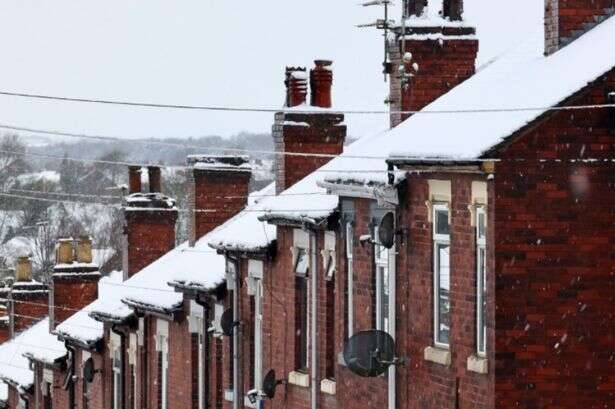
x,y
255,269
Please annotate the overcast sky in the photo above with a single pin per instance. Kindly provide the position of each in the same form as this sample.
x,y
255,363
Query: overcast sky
x,y
206,52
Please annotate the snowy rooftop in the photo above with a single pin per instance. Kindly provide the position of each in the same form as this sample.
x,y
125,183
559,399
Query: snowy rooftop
x,y
521,78
539,82
35,342
81,326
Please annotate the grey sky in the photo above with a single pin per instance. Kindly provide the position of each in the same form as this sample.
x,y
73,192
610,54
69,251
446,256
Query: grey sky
x,y
207,52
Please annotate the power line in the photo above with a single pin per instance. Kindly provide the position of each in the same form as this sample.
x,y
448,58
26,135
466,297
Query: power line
x,y
181,210
293,110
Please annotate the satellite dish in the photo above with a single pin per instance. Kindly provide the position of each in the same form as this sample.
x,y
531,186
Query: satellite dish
x,y
370,353
386,230
88,370
269,384
226,322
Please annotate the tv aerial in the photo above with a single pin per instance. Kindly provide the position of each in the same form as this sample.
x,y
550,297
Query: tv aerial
x,y
371,353
226,322
89,371
384,24
386,231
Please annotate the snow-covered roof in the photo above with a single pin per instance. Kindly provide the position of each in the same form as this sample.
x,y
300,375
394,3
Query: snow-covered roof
x,y
245,232
36,342
521,78
80,326
237,163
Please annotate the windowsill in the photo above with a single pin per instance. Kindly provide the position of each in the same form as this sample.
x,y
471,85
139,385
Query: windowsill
x,y
299,379
437,355
247,403
328,386
228,395
478,364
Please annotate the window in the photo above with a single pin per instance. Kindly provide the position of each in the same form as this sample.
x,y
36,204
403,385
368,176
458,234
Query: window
x,y
201,366
381,268
301,261
164,371
441,256
481,279
117,378
350,278
258,335
301,322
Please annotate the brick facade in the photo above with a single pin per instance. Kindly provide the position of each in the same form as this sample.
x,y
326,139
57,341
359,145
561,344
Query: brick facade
x,y
565,20
554,264
444,56
28,304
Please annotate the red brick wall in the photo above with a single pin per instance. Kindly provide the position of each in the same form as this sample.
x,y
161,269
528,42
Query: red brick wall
x,y
151,234
4,332
28,307
567,19
442,65
555,266
321,134
223,191
423,384
70,294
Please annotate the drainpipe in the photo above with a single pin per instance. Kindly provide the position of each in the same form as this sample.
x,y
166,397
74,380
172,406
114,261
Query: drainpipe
x,y
123,369
206,351
313,322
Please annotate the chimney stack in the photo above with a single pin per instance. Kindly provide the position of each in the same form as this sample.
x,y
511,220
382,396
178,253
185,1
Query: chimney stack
x,y
437,57
296,86
217,183
321,80
74,280
150,224
134,179
319,133
155,184
566,20
28,299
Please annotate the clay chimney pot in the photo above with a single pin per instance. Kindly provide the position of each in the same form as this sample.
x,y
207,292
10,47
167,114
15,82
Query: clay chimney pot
x,y
23,271
65,251
84,250
134,179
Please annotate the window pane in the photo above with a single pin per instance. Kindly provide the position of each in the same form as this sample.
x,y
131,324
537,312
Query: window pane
x,y
443,270
330,271
442,226
481,225
301,263
482,307
349,240
301,307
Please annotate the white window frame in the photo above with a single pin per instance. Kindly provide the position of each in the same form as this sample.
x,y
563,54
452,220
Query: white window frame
x,y
164,367
116,366
258,335
438,241
383,284
350,278
481,278
201,358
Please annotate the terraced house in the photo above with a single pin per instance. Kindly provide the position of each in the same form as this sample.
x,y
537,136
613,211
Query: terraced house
x,y
480,239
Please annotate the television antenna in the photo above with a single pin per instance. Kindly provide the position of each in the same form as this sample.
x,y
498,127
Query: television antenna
x,y
370,353
385,24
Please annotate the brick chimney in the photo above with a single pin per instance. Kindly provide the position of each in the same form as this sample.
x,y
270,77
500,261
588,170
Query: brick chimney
x,y
74,280
28,299
320,133
566,20
150,222
440,53
219,186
